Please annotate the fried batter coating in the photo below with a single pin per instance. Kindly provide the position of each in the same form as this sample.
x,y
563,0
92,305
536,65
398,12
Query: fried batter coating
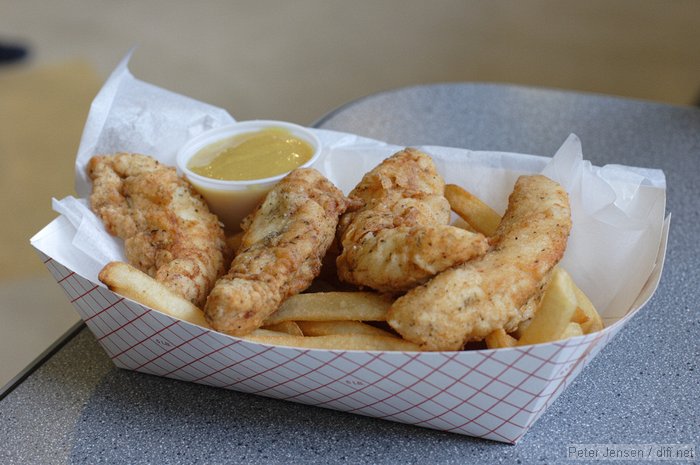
x,y
167,228
398,236
280,253
468,302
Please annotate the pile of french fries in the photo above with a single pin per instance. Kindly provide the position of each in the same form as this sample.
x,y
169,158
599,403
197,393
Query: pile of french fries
x,y
356,320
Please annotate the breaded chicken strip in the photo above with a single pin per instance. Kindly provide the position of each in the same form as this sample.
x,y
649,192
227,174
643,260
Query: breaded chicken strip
x,y
280,253
397,235
167,228
468,302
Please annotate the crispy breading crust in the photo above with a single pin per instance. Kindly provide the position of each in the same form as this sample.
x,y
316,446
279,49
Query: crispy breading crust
x,y
468,302
167,228
280,254
397,235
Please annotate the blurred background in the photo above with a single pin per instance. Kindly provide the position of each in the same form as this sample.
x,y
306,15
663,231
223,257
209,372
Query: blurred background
x,y
292,61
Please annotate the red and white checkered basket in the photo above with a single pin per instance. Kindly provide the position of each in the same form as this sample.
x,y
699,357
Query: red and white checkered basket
x,y
493,394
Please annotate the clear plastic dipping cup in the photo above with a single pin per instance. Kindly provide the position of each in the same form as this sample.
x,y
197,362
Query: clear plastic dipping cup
x,y
231,201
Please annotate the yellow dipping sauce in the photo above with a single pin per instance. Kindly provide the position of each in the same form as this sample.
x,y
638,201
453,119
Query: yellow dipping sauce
x,y
252,155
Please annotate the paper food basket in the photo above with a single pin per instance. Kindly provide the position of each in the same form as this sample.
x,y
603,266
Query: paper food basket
x,y
615,254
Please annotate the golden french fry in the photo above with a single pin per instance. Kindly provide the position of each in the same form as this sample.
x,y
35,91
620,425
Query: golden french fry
x,y
336,341
462,224
288,327
579,315
266,333
326,328
554,313
594,322
499,339
480,216
571,330
130,282
332,306
530,307
521,327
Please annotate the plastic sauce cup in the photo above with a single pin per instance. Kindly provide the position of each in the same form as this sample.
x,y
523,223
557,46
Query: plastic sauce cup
x,y
231,201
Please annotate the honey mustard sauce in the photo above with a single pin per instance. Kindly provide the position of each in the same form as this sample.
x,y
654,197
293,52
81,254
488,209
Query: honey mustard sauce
x,y
252,155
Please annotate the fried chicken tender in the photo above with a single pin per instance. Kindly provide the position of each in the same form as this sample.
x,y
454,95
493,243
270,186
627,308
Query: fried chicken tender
x,y
280,253
397,235
468,302
167,228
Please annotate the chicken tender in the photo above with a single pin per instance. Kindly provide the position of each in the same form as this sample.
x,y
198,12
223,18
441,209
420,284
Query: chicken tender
x,y
280,253
166,226
397,235
468,302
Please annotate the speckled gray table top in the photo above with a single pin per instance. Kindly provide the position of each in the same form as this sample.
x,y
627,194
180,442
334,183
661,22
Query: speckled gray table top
x,y
644,387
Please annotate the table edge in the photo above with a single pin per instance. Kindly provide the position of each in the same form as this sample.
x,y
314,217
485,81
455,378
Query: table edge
x,y
318,123
42,358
